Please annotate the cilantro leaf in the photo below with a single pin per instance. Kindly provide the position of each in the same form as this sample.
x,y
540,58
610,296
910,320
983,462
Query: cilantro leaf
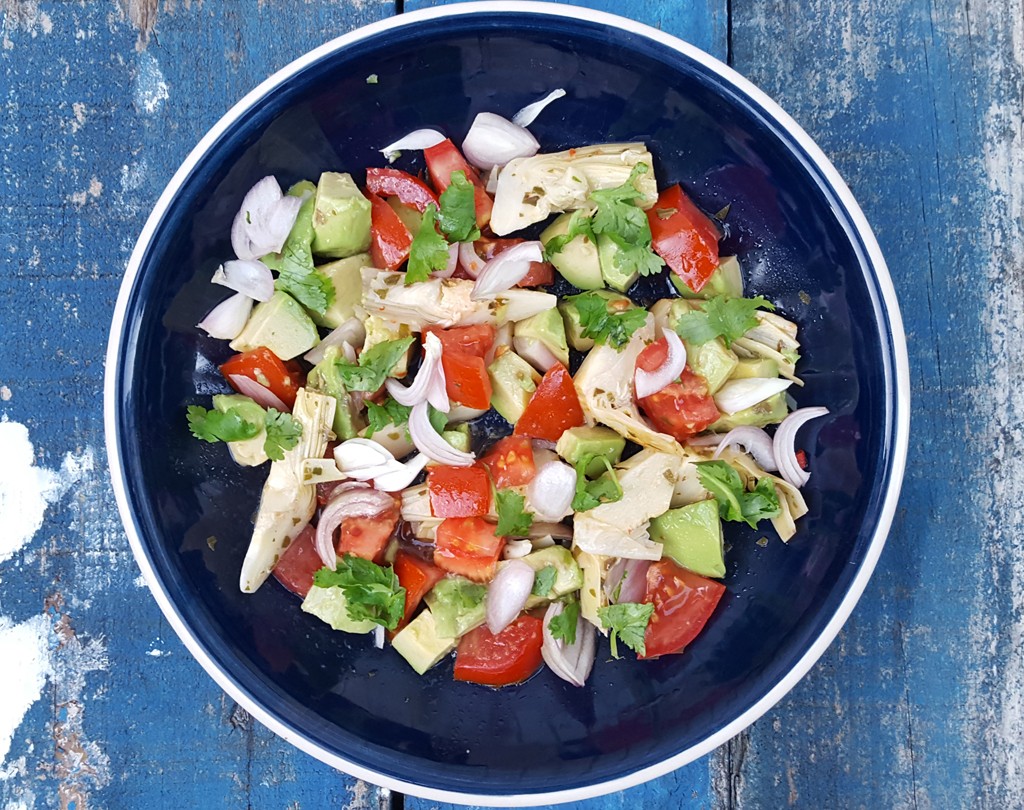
x,y
604,489
513,519
283,433
428,251
617,212
563,626
458,210
371,591
627,621
579,225
390,412
734,502
215,426
297,274
639,258
373,366
544,581
603,325
438,420
728,318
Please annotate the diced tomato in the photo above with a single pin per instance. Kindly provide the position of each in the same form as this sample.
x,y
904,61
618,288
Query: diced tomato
x,y
459,492
394,183
468,546
540,274
653,355
683,603
510,657
553,408
466,380
367,537
299,563
389,238
510,462
684,237
682,409
445,158
801,459
474,340
284,379
417,576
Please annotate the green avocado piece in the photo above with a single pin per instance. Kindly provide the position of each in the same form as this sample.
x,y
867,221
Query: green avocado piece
x,y
571,317
748,368
545,329
331,606
577,443
458,437
615,278
726,280
341,217
345,277
458,605
513,382
420,645
247,452
578,262
769,412
712,361
692,536
568,575
281,325
411,218
325,378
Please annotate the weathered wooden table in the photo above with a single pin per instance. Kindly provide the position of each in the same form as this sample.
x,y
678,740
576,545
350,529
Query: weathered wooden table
x,y
920,701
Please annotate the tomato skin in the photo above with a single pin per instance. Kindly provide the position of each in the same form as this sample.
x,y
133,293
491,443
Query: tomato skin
x,y
653,355
682,409
411,191
475,340
510,462
284,379
687,240
445,158
540,274
510,657
469,547
299,563
459,492
466,380
367,537
389,238
683,603
553,408
417,576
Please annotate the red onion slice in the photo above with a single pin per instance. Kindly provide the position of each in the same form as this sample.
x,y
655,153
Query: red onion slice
x,y
402,476
506,269
738,395
752,440
469,259
626,581
429,368
258,393
453,262
228,318
507,594
250,278
529,113
551,491
651,382
493,141
570,662
416,140
352,332
785,445
429,442
357,500
708,440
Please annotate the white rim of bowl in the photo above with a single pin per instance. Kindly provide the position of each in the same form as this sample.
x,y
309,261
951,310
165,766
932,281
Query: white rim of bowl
x,y
899,450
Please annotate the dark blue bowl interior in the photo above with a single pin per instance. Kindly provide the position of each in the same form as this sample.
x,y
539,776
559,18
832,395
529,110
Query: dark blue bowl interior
x,y
797,247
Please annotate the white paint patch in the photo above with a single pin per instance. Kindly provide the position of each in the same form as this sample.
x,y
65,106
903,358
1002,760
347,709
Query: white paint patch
x,y
25,652
5,393
157,653
150,87
133,176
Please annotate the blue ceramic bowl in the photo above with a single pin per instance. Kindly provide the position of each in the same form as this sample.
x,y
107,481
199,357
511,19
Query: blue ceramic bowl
x,y
803,242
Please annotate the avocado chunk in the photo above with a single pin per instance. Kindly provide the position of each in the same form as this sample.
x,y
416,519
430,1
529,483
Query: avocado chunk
x,y
614,276
726,280
541,334
692,536
568,576
578,262
420,645
748,368
326,379
331,606
571,317
712,361
348,289
281,325
513,382
769,412
341,217
411,218
458,605
247,452
458,437
596,442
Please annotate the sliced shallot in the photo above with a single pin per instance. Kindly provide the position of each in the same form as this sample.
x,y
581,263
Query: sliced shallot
x,y
416,140
469,259
514,549
347,501
378,637
354,455
529,113
264,220
507,594
738,395
506,269
493,141
421,386
258,393
248,277
570,662
352,332
228,318
431,443
651,382
785,444
453,262
551,491
752,440
626,581
401,476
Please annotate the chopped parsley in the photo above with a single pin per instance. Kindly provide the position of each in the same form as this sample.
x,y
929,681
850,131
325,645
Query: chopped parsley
x,y
605,489
458,210
621,220
513,519
283,433
428,251
282,429
563,626
389,412
722,316
372,592
734,501
628,622
373,366
597,321
544,581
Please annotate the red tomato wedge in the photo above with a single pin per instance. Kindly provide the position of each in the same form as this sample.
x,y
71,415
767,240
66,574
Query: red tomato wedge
x,y
683,603
284,379
510,657
417,576
553,408
367,537
683,408
389,238
541,273
394,183
445,158
299,563
510,462
468,546
459,492
684,237
473,340
466,380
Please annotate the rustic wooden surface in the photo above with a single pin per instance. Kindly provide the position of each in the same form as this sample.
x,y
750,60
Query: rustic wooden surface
x,y
920,701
